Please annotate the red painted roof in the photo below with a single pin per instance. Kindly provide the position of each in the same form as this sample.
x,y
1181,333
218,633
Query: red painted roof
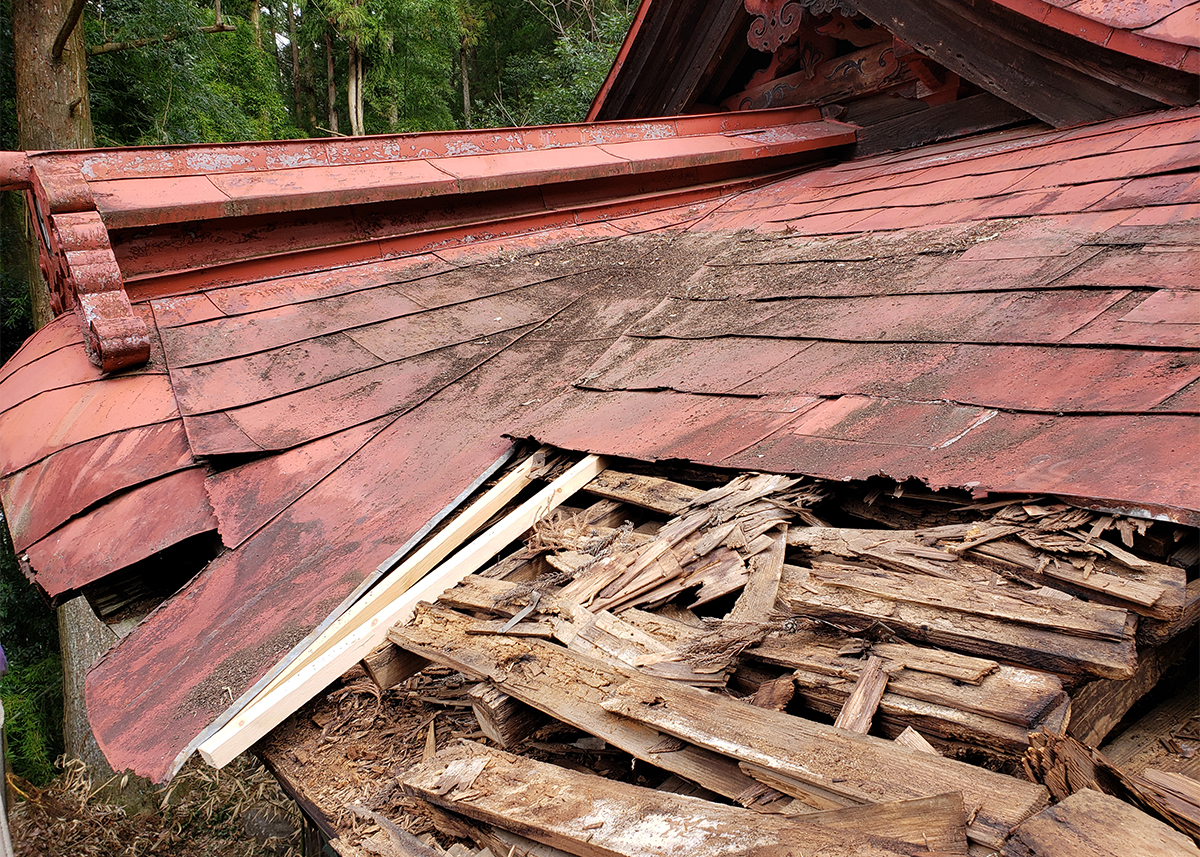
x,y
332,365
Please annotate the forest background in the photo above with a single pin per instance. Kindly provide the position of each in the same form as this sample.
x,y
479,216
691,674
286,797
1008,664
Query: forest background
x,y
191,71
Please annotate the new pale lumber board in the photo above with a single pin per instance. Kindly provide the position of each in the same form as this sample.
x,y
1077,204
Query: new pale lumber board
x,y
591,816
412,583
397,581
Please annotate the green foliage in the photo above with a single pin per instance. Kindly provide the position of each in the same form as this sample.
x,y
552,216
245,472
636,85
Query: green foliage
x,y
198,87
32,691
545,89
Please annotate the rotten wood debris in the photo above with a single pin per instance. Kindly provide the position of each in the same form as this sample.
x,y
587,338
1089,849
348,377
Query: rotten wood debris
x,y
791,667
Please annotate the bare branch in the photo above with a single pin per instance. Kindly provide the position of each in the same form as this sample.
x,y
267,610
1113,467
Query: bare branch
x,y
109,47
64,33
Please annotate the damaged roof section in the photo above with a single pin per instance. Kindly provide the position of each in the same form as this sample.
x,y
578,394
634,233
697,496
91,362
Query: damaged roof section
x,y
328,371
870,643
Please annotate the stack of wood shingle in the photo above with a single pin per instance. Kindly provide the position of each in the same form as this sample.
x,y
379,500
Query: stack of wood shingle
x,y
817,668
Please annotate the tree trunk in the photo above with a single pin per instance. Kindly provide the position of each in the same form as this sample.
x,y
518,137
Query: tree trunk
x,y
256,21
331,90
52,103
463,60
291,22
351,83
53,113
354,90
358,92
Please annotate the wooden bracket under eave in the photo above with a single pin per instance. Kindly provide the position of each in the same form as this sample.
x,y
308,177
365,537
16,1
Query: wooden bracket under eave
x,y
81,270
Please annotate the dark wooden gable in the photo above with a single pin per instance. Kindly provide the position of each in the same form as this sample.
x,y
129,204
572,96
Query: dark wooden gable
x,y
954,67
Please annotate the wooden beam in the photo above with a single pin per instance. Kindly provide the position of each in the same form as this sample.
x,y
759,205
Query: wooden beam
x,y
648,492
1090,824
388,665
1060,79
835,763
591,816
924,611
407,586
714,729
567,686
973,115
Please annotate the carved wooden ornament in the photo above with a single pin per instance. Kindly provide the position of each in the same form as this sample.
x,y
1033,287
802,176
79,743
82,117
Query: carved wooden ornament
x,y
774,24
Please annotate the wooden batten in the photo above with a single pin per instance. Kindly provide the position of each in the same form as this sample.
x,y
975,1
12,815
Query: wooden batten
x,y
393,601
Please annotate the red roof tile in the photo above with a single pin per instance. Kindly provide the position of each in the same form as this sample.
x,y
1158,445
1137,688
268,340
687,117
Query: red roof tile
x,y
1016,322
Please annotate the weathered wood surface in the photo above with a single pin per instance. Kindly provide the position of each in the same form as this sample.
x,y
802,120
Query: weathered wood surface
x,y
1091,824
1131,749
942,721
936,824
1178,796
856,768
1098,706
592,816
1010,694
388,665
567,686
971,115
597,634
859,708
824,595
648,492
502,718
1154,589
757,601
912,739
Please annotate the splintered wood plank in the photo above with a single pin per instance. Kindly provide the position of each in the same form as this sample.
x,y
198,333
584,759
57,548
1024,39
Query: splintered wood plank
x,y
1041,648
1072,617
389,665
1156,589
945,721
1178,794
859,709
565,685
1091,824
596,817
912,739
831,762
1097,707
501,718
936,824
648,492
757,601
597,634
1010,694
